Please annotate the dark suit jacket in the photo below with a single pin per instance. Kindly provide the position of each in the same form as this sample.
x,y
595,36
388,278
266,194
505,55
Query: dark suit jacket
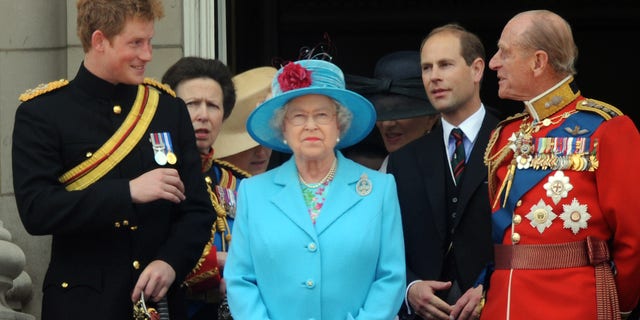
x,y
101,241
421,170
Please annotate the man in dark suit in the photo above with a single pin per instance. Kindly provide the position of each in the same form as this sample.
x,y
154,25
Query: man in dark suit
x,y
445,207
107,164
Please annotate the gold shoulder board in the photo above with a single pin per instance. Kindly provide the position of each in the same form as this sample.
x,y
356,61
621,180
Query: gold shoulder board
x,y
604,109
159,85
42,89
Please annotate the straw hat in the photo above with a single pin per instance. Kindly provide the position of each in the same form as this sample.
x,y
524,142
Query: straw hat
x,y
252,87
306,77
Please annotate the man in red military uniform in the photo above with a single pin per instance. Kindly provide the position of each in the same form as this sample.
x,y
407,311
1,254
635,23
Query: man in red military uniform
x,y
563,178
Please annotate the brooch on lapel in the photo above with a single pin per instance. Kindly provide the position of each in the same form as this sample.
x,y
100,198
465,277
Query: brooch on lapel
x,y
363,187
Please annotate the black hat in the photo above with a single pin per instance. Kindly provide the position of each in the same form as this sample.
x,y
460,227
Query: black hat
x,y
396,90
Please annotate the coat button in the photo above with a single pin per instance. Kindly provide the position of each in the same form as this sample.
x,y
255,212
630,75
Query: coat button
x,y
125,222
312,247
117,109
136,265
88,154
117,224
517,219
64,285
515,238
310,284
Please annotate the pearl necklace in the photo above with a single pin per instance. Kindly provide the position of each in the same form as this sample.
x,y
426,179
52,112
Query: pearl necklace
x,y
327,178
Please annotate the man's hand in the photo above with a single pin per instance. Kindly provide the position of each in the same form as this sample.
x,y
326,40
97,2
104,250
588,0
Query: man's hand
x,y
154,281
425,303
466,308
161,183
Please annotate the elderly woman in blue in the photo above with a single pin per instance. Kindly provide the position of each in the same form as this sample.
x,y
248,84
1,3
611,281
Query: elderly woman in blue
x,y
320,236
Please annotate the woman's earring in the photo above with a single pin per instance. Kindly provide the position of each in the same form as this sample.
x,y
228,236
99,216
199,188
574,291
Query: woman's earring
x,y
338,140
284,141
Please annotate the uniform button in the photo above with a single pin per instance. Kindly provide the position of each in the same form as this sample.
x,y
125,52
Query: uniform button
x,y
515,237
519,203
312,247
454,199
517,219
125,222
136,265
117,109
117,224
310,284
88,154
134,228
64,285
454,215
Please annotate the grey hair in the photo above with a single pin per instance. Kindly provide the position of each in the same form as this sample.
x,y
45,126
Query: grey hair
x,y
552,34
343,115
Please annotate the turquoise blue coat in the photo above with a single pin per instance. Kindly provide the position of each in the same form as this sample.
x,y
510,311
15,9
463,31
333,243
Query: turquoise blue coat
x,y
350,265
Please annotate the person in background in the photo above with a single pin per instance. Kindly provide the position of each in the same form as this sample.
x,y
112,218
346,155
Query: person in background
x,y
207,89
320,236
445,205
106,164
234,147
404,112
563,186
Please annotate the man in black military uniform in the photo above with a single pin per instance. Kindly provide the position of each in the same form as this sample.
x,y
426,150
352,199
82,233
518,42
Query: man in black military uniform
x,y
107,164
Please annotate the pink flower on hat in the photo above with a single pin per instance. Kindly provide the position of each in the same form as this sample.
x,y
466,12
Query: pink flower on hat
x,y
294,76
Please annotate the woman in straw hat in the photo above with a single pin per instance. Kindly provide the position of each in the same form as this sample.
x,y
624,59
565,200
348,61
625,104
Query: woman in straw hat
x,y
320,236
234,146
207,88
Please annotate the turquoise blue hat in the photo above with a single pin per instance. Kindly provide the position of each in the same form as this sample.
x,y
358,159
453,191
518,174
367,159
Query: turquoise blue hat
x,y
305,77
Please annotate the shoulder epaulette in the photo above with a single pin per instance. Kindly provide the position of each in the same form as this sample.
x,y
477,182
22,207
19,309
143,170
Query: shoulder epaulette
x,y
232,168
604,109
159,85
42,89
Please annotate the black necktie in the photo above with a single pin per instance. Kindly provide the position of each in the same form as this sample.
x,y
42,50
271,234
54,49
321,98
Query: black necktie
x,y
457,160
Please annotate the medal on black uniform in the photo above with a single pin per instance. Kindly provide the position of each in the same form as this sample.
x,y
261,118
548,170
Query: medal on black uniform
x,y
159,150
171,156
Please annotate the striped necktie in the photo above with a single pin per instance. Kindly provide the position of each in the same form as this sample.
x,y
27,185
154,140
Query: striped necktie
x,y
457,160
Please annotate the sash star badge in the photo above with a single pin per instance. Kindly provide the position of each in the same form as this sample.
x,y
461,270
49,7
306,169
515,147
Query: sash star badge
x,y
558,186
541,215
575,216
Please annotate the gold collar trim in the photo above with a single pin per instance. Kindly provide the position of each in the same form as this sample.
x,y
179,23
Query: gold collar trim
x,y
553,99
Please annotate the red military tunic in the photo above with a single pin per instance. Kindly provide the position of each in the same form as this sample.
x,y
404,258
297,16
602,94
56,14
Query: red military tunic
x,y
585,154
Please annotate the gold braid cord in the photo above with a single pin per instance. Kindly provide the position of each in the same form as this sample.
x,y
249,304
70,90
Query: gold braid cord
x,y
492,162
220,224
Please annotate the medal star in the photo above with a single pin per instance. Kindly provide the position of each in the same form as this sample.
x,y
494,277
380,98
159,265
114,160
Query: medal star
x,y
558,187
575,216
541,215
512,141
524,162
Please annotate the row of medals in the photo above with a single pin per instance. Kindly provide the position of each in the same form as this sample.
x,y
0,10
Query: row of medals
x,y
547,156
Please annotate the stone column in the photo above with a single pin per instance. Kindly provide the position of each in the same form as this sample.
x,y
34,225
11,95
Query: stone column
x,y
15,284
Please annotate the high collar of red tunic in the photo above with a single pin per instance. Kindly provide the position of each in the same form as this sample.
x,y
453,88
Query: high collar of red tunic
x,y
552,100
207,160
